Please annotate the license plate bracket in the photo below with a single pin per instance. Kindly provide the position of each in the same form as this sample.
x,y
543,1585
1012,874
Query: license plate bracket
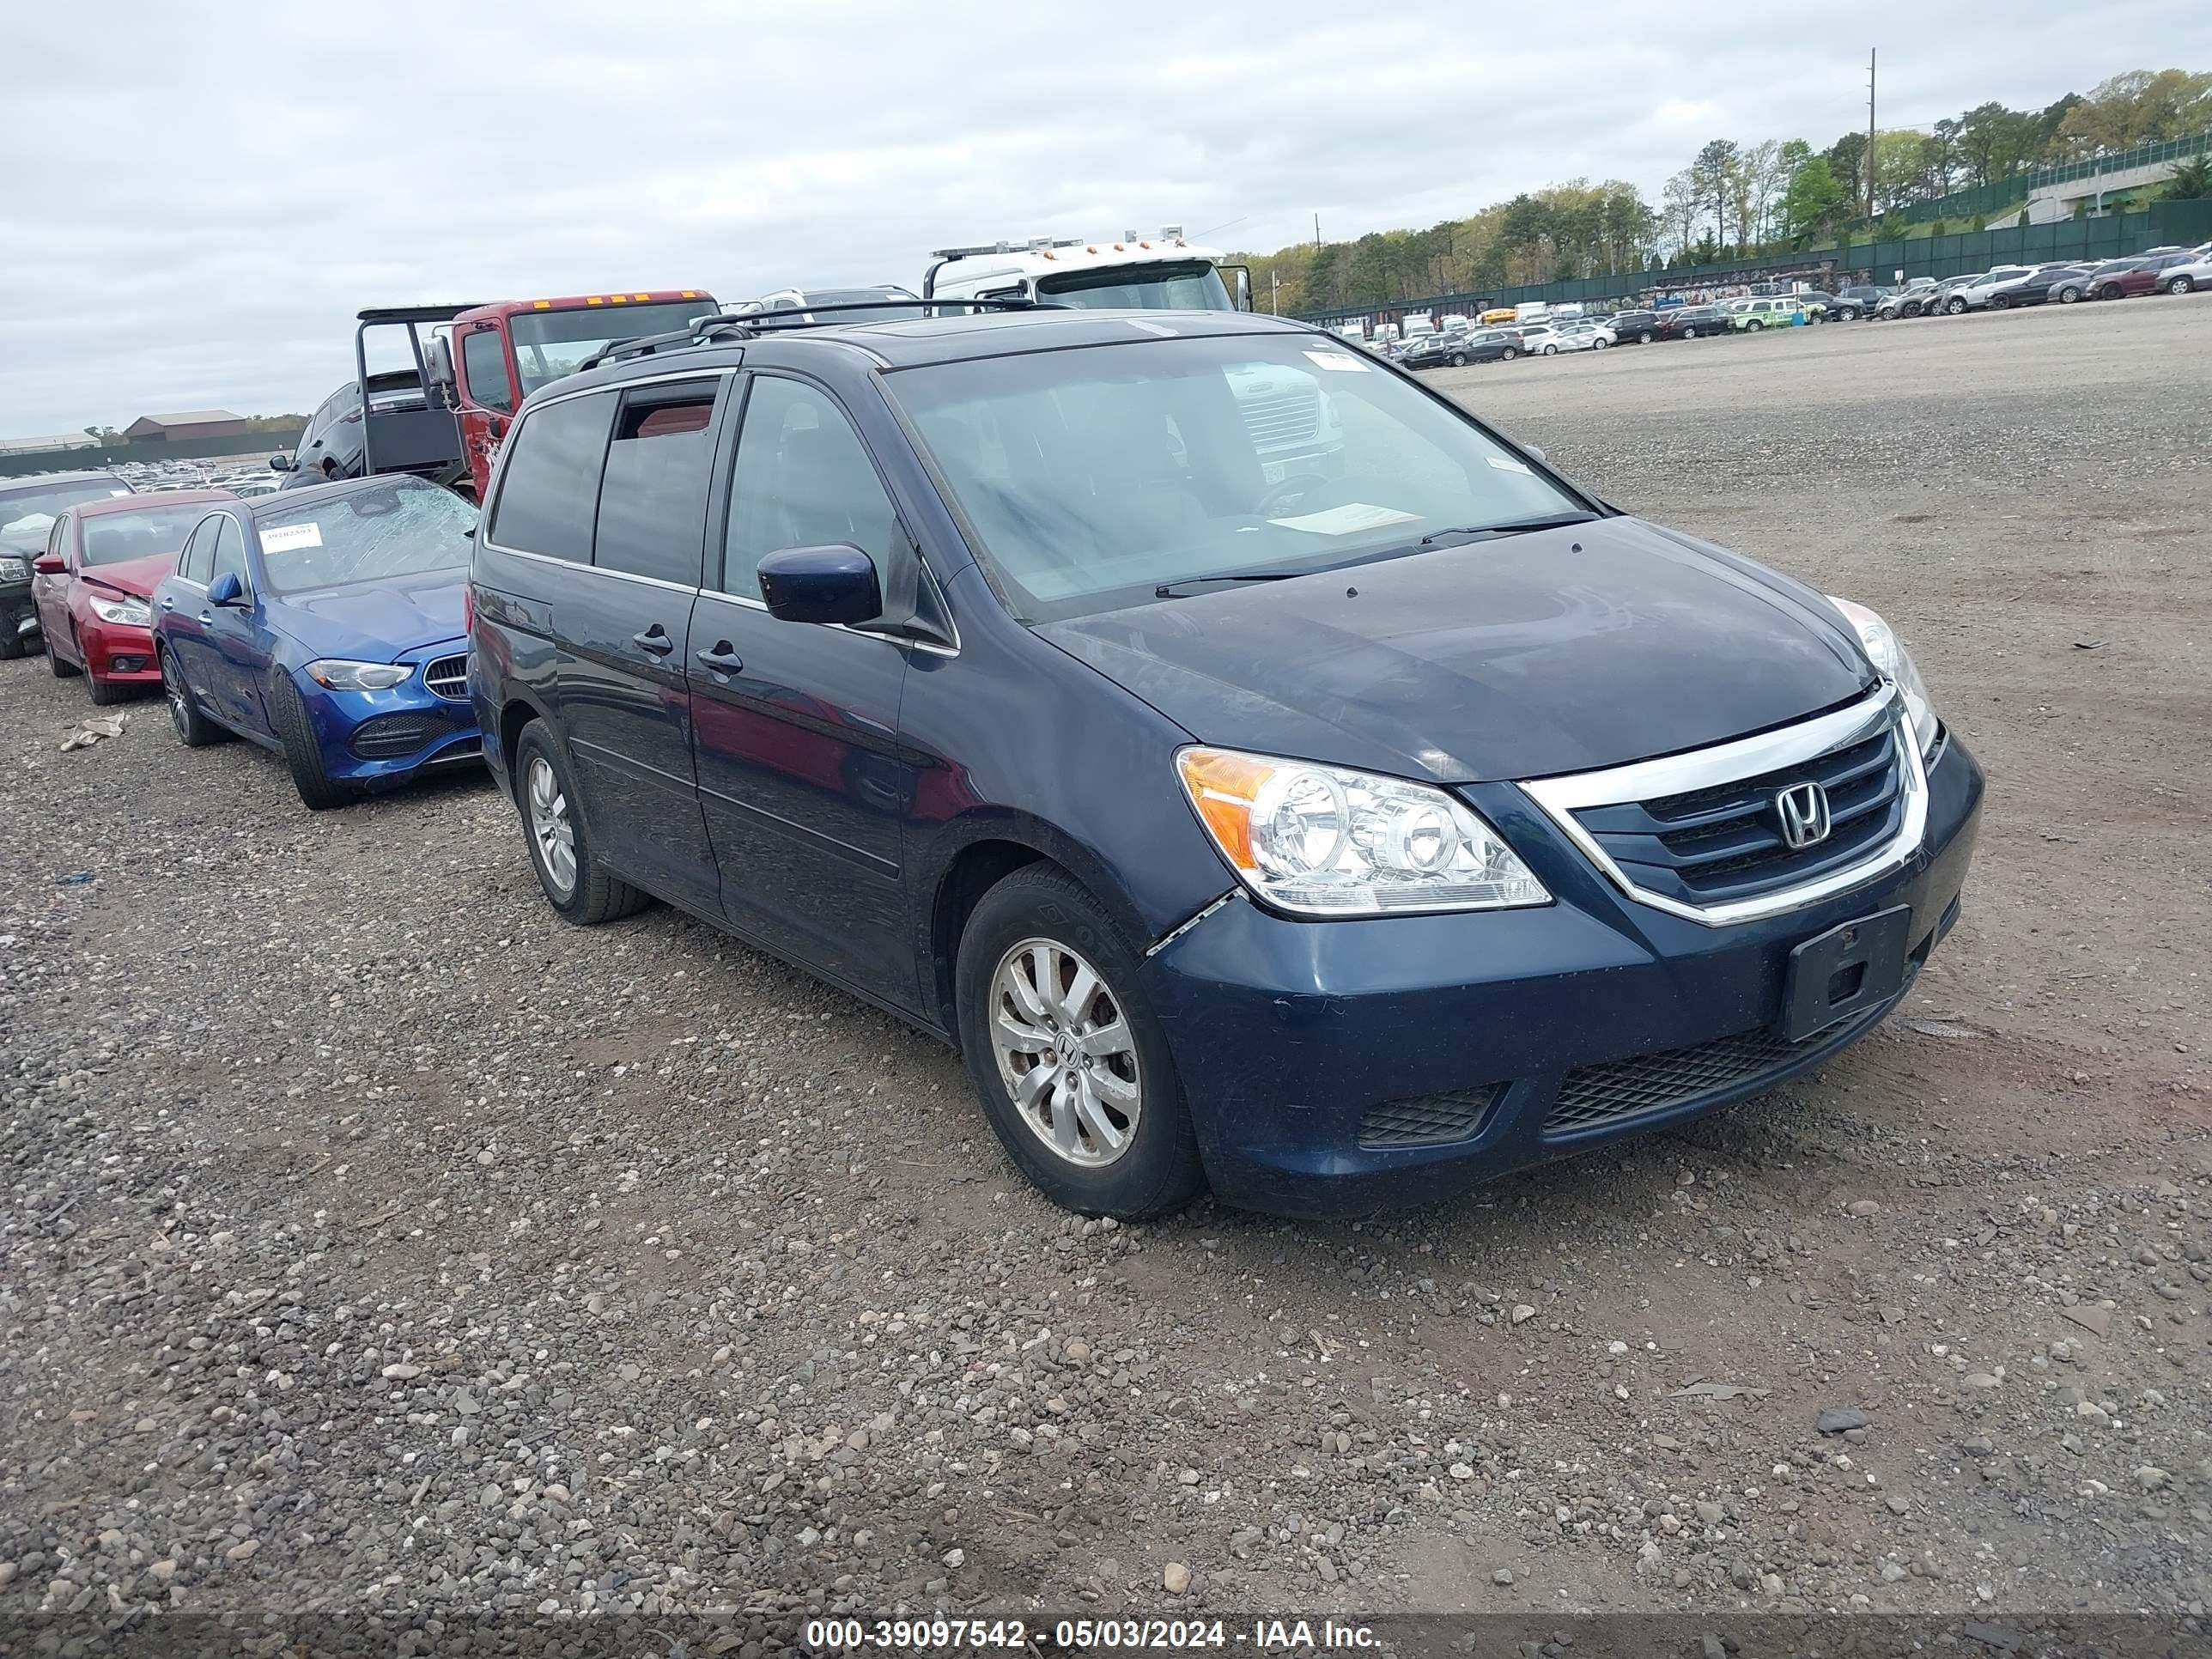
x,y
1853,967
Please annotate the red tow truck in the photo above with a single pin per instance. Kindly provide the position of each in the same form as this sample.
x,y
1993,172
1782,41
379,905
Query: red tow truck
x,y
478,362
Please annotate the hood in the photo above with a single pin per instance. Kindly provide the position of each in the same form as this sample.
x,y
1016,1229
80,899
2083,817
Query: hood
x,y
378,622
131,575
1554,651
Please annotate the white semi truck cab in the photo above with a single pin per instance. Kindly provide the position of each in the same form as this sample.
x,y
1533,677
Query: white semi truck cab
x,y
1149,273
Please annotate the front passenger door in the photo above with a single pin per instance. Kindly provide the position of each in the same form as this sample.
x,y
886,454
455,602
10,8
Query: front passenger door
x,y
802,776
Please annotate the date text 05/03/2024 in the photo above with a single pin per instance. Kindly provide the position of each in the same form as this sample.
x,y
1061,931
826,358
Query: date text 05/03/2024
x,y
1261,1635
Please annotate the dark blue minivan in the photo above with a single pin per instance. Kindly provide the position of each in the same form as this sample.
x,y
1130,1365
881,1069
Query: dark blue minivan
x,y
1332,835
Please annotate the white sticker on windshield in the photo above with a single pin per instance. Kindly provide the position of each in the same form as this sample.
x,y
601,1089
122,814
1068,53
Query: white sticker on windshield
x,y
1507,464
118,492
283,538
1346,520
1337,361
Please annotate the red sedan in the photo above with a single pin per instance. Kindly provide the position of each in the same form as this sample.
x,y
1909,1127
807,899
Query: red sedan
x,y
2141,277
95,584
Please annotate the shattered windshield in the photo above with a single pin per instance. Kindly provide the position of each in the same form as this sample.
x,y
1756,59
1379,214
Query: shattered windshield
x,y
399,528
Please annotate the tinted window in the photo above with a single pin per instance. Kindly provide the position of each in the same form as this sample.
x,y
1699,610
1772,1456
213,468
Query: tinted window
x,y
652,504
485,361
230,550
399,527
112,537
550,489
199,554
803,480
28,514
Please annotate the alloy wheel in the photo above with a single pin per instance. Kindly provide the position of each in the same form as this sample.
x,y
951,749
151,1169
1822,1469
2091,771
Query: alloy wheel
x,y
172,692
1066,1054
550,827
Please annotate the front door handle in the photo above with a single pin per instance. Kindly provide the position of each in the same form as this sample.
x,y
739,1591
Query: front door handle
x,y
721,659
206,619
168,603
654,640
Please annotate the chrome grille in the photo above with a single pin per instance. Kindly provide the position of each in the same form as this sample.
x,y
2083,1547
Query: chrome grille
x,y
1281,419
1429,1120
448,677
1699,834
1725,842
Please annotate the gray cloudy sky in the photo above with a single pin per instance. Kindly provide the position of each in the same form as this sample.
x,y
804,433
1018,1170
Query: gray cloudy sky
x,y
196,197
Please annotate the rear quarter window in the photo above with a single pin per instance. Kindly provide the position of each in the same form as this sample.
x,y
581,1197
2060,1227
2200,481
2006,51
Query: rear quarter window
x,y
549,491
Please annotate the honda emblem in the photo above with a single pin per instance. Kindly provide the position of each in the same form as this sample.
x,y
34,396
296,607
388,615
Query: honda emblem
x,y
1803,810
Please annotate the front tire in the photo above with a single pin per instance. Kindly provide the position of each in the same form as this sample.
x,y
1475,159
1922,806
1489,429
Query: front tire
x,y
1551,352
2067,296
2181,285
561,849
62,671
287,710
105,693
194,729
1459,359
1753,326
1956,305
1071,1066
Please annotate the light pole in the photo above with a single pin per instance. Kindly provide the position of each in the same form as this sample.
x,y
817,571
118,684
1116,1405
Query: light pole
x,y
1274,295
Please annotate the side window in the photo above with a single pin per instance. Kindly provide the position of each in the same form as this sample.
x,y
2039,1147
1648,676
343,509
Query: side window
x,y
484,359
58,539
653,501
550,492
229,549
803,479
192,564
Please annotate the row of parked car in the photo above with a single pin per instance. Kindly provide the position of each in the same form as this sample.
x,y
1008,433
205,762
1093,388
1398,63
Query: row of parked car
x,y
997,668
2156,270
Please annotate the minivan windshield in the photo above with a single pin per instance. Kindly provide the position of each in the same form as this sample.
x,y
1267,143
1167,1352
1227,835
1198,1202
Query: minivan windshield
x,y
392,530
1092,477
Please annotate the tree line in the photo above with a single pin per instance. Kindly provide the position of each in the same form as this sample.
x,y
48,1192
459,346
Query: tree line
x,y
1734,199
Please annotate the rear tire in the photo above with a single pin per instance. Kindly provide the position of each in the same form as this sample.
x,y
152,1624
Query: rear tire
x,y
194,729
1598,344
1508,355
553,820
1645,338
1041,915
318,791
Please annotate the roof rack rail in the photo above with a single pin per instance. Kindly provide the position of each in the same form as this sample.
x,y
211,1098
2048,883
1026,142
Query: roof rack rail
x,y
722,324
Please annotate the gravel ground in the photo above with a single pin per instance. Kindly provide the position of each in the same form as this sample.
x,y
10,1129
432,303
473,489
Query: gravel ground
x,y
372,1240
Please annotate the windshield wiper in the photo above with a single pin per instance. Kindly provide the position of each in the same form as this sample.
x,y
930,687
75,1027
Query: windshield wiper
x,y
1167,590
1514,528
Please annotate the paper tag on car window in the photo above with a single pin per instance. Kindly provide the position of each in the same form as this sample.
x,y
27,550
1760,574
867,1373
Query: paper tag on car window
x,y
1346,520
283,538
1337,361
1507,464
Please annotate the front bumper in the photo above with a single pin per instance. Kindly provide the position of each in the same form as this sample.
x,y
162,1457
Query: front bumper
x,y
117,653
1304,1046
381,738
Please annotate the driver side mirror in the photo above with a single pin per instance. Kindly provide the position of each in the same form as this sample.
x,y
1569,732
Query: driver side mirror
x,y
835,583
1243,280
50,564
280,463
226,591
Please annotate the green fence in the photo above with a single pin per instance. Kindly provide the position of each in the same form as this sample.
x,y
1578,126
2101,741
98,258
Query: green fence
x,y
2180,224
2001,193
188,449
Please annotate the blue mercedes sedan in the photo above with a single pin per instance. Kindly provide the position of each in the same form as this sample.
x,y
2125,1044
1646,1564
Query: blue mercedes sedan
x,y
327,624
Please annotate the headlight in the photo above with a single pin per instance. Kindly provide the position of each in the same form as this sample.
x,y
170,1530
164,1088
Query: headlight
x,y
133,612
1325,842
341,675
1887,654
14,570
